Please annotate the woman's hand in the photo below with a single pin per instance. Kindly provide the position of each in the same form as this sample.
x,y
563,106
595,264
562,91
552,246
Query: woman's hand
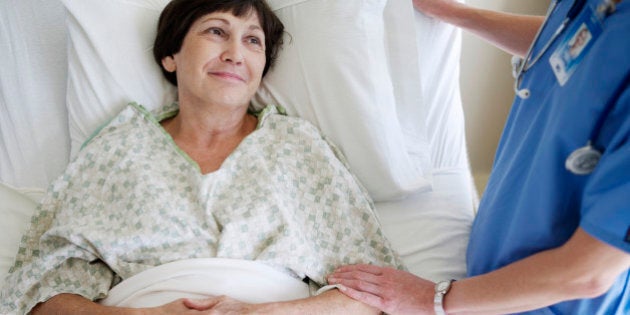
x,y
176,307
212,305
220,305
390,290
73,304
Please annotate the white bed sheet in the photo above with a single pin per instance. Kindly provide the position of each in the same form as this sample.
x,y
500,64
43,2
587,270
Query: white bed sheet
x,y
247,281
16,209
429,229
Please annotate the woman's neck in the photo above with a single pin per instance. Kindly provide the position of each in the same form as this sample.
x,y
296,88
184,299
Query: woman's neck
x,y
211,135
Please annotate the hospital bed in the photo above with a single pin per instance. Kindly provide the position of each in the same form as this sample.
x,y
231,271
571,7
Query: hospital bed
x,y
379,79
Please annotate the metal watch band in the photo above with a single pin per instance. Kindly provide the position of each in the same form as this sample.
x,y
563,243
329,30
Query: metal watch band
x,y
441,288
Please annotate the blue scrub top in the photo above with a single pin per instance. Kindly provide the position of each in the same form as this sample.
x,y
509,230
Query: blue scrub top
x,y
532,202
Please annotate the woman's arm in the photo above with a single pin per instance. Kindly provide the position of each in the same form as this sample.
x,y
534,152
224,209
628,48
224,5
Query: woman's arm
x,y
76,304
70,304
330,302
512,33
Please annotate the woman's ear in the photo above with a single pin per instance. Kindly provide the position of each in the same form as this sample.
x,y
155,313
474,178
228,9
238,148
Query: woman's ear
x,y
169,64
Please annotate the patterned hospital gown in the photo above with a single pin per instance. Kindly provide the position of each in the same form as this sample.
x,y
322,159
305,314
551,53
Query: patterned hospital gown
x,y
132,200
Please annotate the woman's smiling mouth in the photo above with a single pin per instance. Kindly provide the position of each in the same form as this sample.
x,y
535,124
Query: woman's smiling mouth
x,y
229,76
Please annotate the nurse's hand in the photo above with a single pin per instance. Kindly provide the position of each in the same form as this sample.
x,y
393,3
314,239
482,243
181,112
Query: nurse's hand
x,y
434,8
390,290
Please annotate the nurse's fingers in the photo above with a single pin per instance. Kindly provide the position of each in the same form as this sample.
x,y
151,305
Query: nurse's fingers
x,y
376,270
372,288
354,274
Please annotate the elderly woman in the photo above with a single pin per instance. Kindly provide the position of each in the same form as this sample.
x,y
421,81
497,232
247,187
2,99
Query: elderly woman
x,y
205,177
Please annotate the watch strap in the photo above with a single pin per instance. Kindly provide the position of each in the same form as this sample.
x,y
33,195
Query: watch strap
x,y
441,288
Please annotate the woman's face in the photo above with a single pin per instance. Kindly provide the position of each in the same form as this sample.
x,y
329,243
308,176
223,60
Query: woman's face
x,y
221,60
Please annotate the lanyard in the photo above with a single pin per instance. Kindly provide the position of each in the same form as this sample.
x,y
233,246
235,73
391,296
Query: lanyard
x,y
575,9
529,62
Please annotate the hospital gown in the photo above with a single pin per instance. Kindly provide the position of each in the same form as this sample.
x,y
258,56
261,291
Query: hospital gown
x,y
133,200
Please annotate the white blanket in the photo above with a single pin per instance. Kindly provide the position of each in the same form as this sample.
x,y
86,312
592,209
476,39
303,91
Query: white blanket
x,y
244,280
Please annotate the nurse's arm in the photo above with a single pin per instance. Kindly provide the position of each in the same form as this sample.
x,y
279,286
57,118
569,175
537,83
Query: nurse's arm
x,y
512,33
584,267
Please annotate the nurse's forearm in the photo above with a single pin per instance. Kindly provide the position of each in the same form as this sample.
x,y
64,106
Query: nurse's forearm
x,y
582,268
512,33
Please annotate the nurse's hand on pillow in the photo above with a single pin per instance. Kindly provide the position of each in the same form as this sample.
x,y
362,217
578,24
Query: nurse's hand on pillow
x,y
433,8
513,33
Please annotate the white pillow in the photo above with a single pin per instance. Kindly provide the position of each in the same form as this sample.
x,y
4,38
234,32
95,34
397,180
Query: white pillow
x,y
110,62
16,210
350,67
34,145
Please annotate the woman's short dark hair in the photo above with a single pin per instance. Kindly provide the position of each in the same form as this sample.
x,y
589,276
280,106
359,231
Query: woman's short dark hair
x,y
179,15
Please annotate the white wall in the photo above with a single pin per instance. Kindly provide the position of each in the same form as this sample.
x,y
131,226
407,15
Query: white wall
x,y
486,87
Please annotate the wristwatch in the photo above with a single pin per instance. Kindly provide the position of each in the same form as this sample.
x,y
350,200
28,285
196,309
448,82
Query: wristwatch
x,y
441,288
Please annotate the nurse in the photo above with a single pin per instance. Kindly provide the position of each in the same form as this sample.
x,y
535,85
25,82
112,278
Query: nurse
x,y
553,231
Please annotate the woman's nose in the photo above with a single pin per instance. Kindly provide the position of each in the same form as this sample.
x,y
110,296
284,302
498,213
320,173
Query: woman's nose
x,y
233,52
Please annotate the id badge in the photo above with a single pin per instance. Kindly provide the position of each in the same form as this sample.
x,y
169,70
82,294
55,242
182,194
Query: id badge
x,y
575,45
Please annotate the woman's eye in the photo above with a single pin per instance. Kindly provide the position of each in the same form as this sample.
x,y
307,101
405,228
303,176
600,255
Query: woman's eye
x,y
215,31
254,40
